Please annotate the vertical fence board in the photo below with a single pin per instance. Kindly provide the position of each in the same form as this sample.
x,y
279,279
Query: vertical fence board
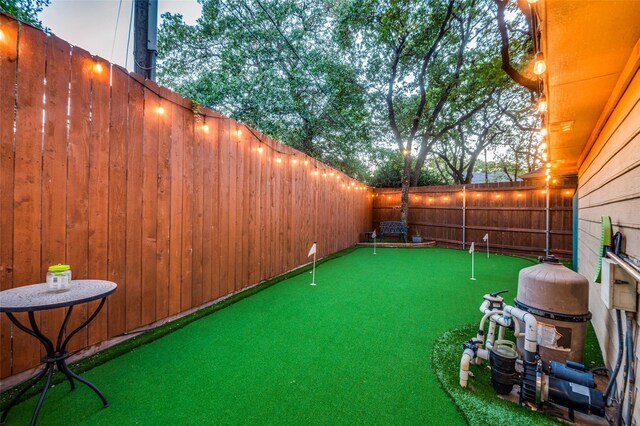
x,y
186,298
99,190
134,206
207,208
215,200
223,235
28,181
118,165
198,182
175,240
8,74
244,169
150,194
78,182
163,228
232,206
54,172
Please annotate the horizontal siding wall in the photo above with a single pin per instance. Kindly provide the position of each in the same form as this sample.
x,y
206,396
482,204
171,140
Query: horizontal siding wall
x,y
127,181
513,214
609,185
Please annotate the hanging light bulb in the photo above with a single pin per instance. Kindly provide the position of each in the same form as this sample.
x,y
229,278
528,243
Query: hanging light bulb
x,y
260,149
205,128
539,66
543,146
543,131
542,104
160,110
548,165
278,160
97,67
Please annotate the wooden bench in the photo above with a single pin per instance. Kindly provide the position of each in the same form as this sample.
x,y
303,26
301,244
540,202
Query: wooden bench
x,y
393,228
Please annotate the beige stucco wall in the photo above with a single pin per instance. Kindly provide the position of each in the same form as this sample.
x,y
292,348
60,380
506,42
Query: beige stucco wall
x,y
609,184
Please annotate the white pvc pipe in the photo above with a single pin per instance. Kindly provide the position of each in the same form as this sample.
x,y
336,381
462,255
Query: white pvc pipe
x,y
467,356
530,328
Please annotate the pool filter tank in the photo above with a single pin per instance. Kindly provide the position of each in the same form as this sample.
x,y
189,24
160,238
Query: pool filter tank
x,y
559,300
551,300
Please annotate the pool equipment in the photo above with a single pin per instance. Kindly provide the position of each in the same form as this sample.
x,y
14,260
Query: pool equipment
x,y
551,298
559,299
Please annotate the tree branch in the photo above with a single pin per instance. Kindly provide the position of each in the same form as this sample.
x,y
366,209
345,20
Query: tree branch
x,y
504,51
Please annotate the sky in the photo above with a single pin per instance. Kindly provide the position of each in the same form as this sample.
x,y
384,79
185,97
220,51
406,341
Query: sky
x,y
91,24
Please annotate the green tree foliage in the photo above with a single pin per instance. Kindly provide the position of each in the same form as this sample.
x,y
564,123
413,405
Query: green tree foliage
x,y
274,66
389,165
25,10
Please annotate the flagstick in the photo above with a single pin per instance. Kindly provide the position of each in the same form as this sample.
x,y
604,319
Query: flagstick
x,y
374,246
313,277
473,256
487,246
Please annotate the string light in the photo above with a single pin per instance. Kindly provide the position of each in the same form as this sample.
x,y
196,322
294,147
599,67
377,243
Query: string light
x,y
547,172
477,194
543,146
405,152
2,36
547,178
539,66
543,131
294,161
548,165
306,162
555,181
260,149
542,104
205,128
278,160
160,110
97,67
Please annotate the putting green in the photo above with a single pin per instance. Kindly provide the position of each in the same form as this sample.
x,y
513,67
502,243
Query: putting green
x,y
355,349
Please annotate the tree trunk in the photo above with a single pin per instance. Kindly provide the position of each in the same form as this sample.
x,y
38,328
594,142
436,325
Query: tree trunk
x,y
406,181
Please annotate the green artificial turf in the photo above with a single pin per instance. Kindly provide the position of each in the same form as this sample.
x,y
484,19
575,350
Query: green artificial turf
x,y
355,349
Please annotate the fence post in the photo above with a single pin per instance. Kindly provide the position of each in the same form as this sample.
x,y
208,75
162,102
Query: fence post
x,y
464,217
548,217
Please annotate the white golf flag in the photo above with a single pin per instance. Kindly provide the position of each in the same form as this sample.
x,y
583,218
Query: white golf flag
x,y
373,234
472,248
486,237
312,251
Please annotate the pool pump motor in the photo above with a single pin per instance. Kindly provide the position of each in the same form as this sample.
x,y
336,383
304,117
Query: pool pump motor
x,y
540,381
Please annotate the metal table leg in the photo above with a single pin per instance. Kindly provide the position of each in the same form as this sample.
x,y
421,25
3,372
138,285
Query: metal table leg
x,y
56,357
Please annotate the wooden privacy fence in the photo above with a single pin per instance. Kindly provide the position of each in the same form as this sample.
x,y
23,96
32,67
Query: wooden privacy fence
x,y
513,214
124,181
